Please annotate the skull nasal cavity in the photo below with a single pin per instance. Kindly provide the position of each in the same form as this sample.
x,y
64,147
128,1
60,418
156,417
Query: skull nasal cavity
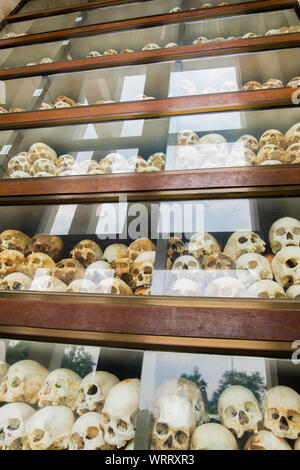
x,y
168,442
283,424
289,236
243,418
92,390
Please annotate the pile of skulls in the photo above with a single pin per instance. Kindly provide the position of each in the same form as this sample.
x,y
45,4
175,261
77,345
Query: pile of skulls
x,y
59,410
181,422
213,151
11,110
271,83
36,264
200,267
41,160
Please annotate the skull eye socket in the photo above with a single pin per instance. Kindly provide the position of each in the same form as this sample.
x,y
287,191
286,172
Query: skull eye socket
x,y
16,382
13,424
230,412
77,441
242,240
291,263
148,270
181,438
273,414
59,383
2,435
293,416
250,407
38,435
92,433
296,230
162,429
122,425
92,390
252,264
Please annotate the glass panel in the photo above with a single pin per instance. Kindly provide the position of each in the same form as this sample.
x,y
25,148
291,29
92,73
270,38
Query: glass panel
x,y
189,142
279,22
246,248
34,5
77,386
210,402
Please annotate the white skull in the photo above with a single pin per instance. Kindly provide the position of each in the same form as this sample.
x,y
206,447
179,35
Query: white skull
x,y
87,433
114,286
188,389
226,287
286,266
284,232
266,289
252,267
292,136
239,410
213,436
186,262
281,406
60,387
22,382
185,288
93,391
200,40
249,141
18,163
13,417
271,152
15,281
187,137
272,136
20,174
114,252
143,268
265,440
82,285
48,284
93,54
174,422
151,46
118,418
242,242
41,150
98,271
201,245
114,163
293,292
49,429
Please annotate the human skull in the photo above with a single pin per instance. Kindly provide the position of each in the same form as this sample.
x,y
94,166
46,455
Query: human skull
x,y
68,270
293,292
86,252
249,141
123,270
137,164
252,85
93,391
114,252
266,289
151,46
202,245
213,436
98,271
175,10
18,163
294,83
174,422
114,286
49,429
61,104
265,440
228,86
242,242
188,158
43,165
110,52
286,266
46,60
187,267
15,281
252,267
185,288
41,150
271,152
22,382
187,138
272,83
65,99
239,410
13,240
114,163
87,434
10,262
93,54
140,246
65,161
188,389
281,407
45,283
82,285
249,35
284,232
37,263
60,387
226,287
85,167
293,153
51,245
20,174
292,136
176,247
200,40
142,269
272,136
13,417
157,159
118,417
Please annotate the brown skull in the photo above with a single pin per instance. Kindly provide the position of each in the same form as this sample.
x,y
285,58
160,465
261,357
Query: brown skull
x,y
51,245
36,261
87,252
13,240
68,270
140,246
10,262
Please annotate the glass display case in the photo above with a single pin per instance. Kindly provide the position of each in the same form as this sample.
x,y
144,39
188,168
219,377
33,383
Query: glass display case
x,y
154,38
150,226
125,399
